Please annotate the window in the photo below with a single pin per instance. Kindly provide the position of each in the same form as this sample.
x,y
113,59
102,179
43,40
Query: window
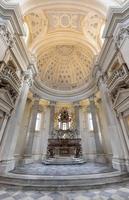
x,y
64,126
90,122
38,122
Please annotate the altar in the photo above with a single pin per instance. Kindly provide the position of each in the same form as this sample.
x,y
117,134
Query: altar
x,y
64,148
65,140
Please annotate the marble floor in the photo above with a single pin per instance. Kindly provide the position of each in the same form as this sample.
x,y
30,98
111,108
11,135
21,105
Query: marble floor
x,y
62,170
114,192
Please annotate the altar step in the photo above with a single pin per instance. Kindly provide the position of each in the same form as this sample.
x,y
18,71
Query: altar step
x,y
63,183
63,161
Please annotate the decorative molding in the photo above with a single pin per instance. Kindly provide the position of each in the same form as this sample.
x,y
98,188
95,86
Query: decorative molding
x,y
121,96
123,33
28,77
6,35
6,101
66,96
115,16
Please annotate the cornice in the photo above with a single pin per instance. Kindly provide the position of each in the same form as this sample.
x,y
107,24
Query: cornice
x,y
65,96
11,17
11,11
80,5
115,30
115,15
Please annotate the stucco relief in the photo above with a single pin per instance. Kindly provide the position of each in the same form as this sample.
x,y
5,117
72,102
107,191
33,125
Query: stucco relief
x,y
37,23
64,20
92,25
65,67
42,23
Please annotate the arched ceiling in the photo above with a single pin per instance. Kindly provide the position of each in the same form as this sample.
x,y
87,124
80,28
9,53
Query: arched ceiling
x,y
65,37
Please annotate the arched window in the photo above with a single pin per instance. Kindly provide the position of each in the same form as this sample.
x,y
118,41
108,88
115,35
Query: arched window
x,y
90,122
38,122
64,126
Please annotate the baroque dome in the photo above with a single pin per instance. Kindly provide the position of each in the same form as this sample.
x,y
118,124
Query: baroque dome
x,y
65,67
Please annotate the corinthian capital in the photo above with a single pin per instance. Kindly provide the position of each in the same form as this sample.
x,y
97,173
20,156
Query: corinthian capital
x,y
6,35
28,77
121,35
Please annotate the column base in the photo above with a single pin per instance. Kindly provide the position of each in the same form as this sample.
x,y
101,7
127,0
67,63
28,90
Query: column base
x,y
100,158
37,157
26,159
7,165
127,164
119,164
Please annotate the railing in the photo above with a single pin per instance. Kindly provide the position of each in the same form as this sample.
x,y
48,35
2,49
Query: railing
x,y
9,75
118,77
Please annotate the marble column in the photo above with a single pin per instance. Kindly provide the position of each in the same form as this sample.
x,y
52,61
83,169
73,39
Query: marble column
x,y
77,108
45,132
92,108
119,148
83,130
105,137
52,114
126,137
12,131
6,117
30,139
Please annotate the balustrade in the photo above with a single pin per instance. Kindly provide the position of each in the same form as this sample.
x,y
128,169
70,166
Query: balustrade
x,y
118,77
9,75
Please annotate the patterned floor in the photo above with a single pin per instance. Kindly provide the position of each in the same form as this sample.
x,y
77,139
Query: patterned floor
x,y
114,192
53,170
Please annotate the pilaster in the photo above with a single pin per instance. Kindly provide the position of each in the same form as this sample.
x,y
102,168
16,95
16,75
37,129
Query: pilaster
x,y
30,139
77,108
52,113
119,149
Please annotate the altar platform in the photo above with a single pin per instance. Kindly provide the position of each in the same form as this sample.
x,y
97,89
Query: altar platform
x,y
63,177
63,170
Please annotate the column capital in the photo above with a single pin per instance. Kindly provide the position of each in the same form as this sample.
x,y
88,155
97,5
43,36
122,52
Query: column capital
x,y
28,77
7,36
92,98
124,32
36,96
52,103
76,103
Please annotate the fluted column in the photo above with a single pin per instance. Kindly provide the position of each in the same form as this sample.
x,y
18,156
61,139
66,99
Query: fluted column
x,y
77,108
30,139
6,117
92,108
45,131
52,113
9,140
119,147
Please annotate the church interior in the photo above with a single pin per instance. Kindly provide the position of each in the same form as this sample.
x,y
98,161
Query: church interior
x,y
64,99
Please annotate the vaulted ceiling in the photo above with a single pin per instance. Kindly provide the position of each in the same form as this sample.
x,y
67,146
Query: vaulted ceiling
x,y
65,37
